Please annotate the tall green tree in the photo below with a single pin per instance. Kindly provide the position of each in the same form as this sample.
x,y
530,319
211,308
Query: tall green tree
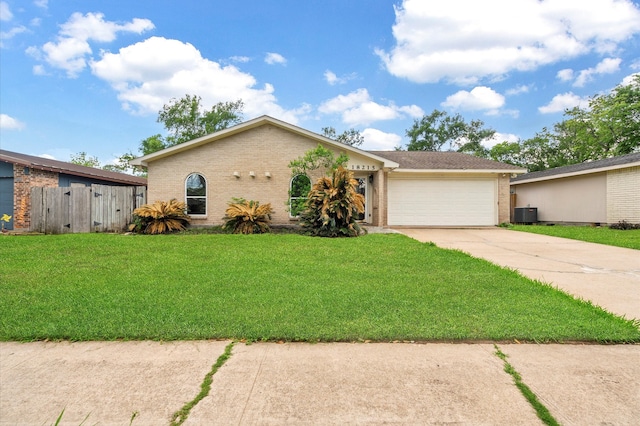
x,y
440,131
186,119
82,159
348,137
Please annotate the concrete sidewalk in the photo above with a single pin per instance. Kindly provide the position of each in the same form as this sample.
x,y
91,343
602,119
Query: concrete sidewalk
x,y
608,276
336,383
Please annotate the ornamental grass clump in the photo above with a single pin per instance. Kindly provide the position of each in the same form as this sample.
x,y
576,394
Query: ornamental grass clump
x,y
247,217
161,217
333,205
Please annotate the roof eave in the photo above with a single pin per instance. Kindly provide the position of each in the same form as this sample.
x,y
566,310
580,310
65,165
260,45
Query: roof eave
x,y
578,173
492,171
256,122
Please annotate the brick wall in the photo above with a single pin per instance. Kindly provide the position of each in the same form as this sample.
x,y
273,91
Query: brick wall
x,y
263,149
504,198
623,196
22,184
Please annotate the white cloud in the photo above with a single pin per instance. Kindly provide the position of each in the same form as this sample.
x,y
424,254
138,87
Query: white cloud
x,y
5,11
635,65
148,74
333,79
357,108
274,58
562,102
9,123
566,74
39,70
519,89
70,49
377,140
240,59
479,98
466,41
606,66
629,79
5,35
499,138
42,3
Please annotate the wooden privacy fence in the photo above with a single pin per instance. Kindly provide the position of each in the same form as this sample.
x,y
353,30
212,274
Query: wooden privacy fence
x,y
100,208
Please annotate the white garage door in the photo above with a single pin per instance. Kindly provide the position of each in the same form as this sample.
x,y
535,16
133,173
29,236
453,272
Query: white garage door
x,y
442,202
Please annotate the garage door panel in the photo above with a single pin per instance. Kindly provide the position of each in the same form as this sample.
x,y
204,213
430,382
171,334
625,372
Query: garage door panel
x,y
442,202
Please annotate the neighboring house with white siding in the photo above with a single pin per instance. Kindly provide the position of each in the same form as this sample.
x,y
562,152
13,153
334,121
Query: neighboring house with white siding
x,y
597,192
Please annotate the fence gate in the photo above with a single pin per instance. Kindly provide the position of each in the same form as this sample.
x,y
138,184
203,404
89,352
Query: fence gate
x,y
101,208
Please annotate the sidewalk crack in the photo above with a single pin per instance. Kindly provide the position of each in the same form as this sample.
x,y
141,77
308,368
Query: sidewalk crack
x,y
181,415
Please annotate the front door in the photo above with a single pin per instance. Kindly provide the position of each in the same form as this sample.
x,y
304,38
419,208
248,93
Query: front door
x,y
362,189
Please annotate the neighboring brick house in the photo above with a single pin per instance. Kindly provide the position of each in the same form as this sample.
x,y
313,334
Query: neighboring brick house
x,y
597,192
19,173
250,161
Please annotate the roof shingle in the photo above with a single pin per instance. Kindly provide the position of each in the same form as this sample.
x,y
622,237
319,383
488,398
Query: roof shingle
x,y
443,160
69,168
581,167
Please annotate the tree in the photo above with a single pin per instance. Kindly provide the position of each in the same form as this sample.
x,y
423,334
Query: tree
x,y
609,127
348,137
439,130
185,119
333,206
82,159
319,158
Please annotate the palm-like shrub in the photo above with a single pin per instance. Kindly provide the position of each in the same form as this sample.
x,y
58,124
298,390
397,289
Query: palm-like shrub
x,y
333,205
248,217
161,217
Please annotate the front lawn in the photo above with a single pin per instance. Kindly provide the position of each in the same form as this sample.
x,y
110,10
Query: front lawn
x,y
272,287
601,235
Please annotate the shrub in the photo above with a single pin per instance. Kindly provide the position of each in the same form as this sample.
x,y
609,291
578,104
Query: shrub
x,y
160,217
333,205
624,225
247,217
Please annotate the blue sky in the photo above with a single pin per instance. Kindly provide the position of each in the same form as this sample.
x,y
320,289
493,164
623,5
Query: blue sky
x,y
91,76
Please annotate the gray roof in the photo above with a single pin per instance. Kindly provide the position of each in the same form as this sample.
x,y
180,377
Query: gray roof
x,y
590,166
41,163
443,160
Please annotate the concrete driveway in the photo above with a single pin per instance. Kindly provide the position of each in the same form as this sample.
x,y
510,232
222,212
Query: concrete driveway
x,y
607,276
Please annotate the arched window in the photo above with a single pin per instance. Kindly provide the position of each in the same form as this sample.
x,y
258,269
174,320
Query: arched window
x,y
196,195
300,187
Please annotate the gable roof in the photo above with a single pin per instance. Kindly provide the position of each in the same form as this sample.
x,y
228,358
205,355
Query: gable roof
x,y
41,163
447,160
623,161
251,124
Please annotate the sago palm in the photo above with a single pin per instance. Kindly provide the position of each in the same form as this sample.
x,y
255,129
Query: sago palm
x,y
162,217
248,217
333,205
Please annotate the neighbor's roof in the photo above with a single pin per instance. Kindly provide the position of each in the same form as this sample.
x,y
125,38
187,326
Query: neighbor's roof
x,y
251,124
448,160
623,161
41,163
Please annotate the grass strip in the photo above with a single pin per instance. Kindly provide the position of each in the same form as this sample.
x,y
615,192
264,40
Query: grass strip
x,y
591,234
541,411
181,415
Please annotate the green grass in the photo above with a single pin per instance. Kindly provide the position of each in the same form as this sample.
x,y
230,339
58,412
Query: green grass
x,y
272,287
601,235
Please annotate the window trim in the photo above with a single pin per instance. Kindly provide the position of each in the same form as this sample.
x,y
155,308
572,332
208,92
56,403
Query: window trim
x,y
205,197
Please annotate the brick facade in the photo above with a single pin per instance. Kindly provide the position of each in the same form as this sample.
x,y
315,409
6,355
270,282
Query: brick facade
x,y
24,179
261,150
623,196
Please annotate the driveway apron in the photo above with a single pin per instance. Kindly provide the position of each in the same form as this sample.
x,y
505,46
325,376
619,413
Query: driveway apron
x,y
607,276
